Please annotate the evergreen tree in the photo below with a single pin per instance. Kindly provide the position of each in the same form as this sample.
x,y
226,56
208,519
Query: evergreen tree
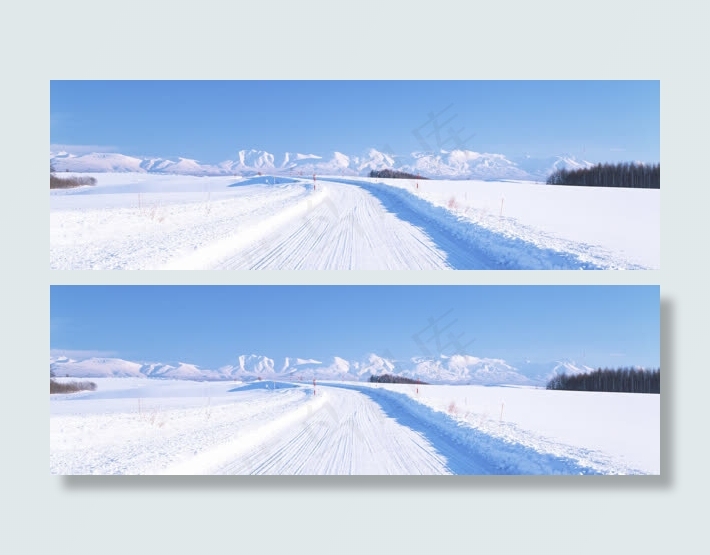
x,y
623,380
631,175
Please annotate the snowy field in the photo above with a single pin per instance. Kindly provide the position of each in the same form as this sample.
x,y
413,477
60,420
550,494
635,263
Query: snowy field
x,y
148,221
149,426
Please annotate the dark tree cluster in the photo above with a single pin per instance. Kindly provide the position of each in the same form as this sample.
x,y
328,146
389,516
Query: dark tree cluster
x,y
56,182
70,387
622,380
631,175
394,174
69,182
389,378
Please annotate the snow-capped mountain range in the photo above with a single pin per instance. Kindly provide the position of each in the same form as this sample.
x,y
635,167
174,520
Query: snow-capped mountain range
x,y
456,369
454,164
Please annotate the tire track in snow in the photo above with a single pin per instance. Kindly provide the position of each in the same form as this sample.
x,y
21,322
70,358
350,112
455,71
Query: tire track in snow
x,y
255,235
351,229
347,434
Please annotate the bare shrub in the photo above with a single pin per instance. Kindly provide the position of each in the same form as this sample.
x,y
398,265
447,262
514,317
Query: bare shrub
x,y
56,182
70,387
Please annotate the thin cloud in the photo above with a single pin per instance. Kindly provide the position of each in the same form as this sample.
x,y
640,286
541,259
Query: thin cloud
x,y
79,354
82,149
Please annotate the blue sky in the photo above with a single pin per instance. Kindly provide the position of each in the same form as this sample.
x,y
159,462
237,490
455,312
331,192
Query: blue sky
x,y
213,325
600,121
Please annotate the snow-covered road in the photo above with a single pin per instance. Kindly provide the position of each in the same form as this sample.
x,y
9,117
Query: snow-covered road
x,y
347,433
349,229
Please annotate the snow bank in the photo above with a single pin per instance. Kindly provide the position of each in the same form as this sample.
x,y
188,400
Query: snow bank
x,y
140,221
144,426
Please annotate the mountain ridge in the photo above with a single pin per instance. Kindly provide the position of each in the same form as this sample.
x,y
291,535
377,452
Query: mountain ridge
x,y
453,164
454,369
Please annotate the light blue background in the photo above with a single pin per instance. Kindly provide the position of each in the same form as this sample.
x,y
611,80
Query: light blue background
x,y
78,39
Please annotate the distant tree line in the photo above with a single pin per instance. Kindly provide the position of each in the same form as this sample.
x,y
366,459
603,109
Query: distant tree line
x,y
56,182
623,380
69,182
389,378
394,174
636,176
70,387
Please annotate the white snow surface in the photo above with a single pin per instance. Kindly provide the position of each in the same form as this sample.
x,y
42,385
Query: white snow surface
x,y
155,221
148,426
